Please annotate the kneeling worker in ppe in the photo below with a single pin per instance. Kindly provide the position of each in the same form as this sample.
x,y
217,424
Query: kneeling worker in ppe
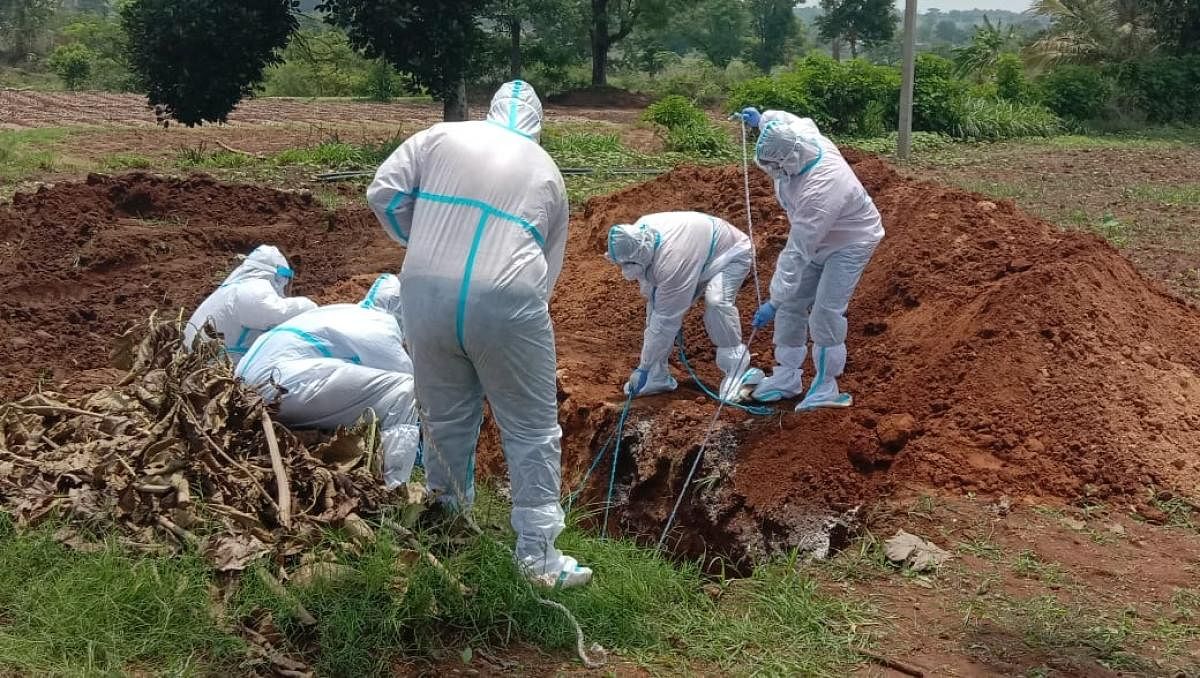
x,y
249,302
483,211
835,229
328,366
676,258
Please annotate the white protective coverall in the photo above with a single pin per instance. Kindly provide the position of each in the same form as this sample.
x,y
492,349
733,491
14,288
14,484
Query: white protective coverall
x,y
326,367
835,229
482,209
677,257
249,302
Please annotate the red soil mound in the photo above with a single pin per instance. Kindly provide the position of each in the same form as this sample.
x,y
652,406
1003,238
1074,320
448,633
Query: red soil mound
x,y
79,262
989,351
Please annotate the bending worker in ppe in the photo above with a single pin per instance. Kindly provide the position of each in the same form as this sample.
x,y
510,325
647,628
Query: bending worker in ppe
x,y
677,257
328,366
249,302
835,229
483,212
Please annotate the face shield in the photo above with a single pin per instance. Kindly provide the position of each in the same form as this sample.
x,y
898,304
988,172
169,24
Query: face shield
x,y
632,247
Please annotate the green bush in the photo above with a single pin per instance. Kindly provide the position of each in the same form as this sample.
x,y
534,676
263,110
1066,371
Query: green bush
x,y
674,112
73,64
853,98
939,98
1075,92
991,120
1166,89
382,83
1011,83
688,129
692,77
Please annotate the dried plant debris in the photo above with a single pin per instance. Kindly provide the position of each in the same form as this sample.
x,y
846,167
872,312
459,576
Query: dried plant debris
x,y
177,454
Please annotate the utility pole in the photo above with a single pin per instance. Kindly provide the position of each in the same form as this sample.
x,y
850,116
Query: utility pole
x,y
904,138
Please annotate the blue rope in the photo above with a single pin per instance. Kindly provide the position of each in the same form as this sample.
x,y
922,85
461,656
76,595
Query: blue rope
x,y
617,435
612,475
756,410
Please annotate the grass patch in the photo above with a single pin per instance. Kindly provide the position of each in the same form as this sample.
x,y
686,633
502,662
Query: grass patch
x,y
1107,226
26,153
981,546
125,161
1028,565
106,613
1188,194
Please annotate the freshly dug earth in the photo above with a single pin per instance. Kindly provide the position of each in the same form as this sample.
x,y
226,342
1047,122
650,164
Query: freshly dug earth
x,y
989,352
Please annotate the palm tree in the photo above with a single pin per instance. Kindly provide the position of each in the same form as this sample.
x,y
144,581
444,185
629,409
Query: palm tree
x,y
1091,32
989,41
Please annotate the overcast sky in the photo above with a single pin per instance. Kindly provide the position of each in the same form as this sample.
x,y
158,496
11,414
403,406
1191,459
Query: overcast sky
x,y
1011,5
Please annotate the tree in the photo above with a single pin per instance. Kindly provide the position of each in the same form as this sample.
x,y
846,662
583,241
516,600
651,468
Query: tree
x,y
859,22
73,64
434,41
775,24
1177,23
717,28
22,22
199,58
625,15
1092,31
989,41
948,32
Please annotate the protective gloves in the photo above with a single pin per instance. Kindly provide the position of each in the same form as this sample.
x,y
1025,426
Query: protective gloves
x,y
637,381
751,117
764,315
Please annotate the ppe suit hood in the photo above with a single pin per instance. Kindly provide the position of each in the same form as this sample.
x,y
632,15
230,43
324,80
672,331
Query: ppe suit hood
x,y
266,262
633,244
384,295
516,106
782,151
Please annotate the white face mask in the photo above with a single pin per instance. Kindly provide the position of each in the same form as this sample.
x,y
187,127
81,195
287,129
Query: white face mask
x,y
632,271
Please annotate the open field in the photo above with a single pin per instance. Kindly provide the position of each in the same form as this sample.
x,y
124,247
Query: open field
x,y
1043,389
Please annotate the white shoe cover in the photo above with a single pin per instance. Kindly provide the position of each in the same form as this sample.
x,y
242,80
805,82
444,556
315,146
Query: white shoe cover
x,y
568,574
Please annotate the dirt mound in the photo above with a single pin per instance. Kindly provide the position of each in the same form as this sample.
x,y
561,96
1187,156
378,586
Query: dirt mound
x,y
602,97
989,352
80,262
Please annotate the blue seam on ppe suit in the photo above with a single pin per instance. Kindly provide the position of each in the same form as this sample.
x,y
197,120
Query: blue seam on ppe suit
x,y
308,337
461,313
369,302
391,215
511,129
512,107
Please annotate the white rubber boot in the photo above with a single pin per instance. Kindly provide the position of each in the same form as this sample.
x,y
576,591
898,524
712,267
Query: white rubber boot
x,y
658,381
828,364
787,379
733,361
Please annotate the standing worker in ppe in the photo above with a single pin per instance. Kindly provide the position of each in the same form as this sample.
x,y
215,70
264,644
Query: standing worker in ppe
x,y
328,366
677,257
835,229
483,212
249,302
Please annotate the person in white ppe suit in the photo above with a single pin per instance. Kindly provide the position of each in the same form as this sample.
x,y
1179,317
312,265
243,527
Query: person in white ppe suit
x,y
249,302
835,229
482,210
676,258
328,366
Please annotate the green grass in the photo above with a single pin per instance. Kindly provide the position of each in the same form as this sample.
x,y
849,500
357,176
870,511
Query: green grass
x,y
1106,226
981,546
25,153
1027,564
118,162
106,613
1188,194
66,613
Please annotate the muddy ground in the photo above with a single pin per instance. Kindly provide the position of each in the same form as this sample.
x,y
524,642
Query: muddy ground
x,y
989,352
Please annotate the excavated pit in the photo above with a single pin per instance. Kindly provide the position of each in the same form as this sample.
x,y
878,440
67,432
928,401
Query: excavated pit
x,y
989,352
